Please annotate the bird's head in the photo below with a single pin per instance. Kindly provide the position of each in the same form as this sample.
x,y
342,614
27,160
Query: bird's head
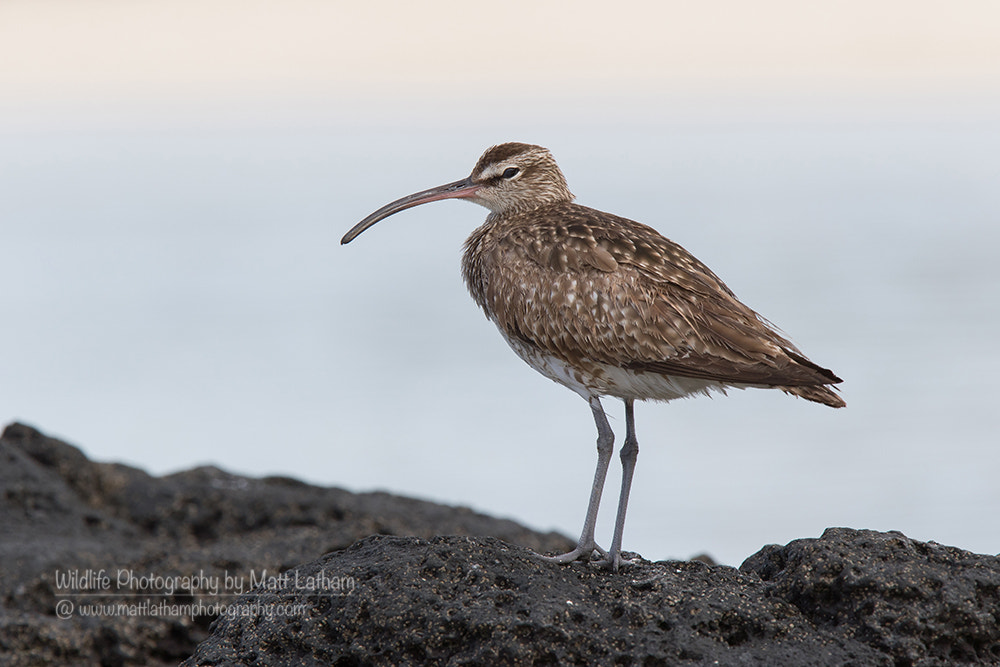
x,y
508,178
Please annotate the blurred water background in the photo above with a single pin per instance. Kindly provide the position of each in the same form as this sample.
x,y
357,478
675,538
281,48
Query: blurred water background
x,y
173,293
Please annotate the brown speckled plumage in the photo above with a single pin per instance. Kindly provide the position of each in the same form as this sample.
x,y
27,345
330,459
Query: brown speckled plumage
x,y
593,289
605,305
588,286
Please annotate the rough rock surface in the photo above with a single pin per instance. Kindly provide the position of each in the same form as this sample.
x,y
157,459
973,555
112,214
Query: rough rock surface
x,y
62,513
850,597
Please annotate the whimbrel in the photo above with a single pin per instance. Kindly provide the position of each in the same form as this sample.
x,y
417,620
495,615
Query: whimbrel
x,y
606,306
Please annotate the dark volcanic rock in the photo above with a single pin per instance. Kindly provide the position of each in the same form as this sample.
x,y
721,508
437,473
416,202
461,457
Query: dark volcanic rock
x,y
464,601
61,513
847,598
919,602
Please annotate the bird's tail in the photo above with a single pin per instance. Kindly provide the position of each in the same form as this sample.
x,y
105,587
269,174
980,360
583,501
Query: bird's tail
x,y
818,394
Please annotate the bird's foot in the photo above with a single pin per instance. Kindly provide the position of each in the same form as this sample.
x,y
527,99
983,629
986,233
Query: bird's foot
x,y
615,561
583,551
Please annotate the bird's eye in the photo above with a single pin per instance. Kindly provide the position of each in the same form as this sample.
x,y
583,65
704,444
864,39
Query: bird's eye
x,y
511,172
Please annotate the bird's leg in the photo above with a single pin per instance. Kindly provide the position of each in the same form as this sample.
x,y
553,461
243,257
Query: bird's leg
x,y
605,447
629,453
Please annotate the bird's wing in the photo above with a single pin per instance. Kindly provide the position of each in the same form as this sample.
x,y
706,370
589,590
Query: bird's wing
x,y
587,285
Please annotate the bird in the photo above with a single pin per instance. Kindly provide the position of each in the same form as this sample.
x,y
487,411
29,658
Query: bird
x,y
607,307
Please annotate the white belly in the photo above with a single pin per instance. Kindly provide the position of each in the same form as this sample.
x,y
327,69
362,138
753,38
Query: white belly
x,y
596,379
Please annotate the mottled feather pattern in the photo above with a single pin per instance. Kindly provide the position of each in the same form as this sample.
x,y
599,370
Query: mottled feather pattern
x,y
593,289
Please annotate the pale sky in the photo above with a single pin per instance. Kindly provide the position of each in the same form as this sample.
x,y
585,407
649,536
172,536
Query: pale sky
x,y
58,50
180,295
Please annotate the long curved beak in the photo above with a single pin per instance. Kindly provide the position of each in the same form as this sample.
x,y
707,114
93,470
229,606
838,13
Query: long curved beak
x,y
457,190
